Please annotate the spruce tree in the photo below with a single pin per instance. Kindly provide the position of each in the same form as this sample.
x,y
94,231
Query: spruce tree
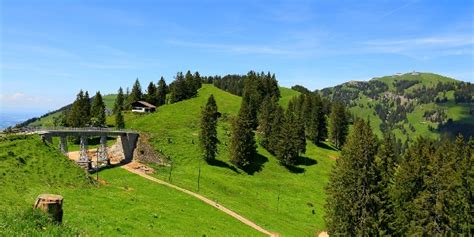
x,y
386,162
119,101
243,147
338,124
208,133
119,121
98,111
351,203
276,125
151,94
178,89
265,118
74,116
136,93
288,145
86,109
161,92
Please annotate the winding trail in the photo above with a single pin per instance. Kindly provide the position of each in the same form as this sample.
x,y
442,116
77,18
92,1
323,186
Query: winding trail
x,y
202,198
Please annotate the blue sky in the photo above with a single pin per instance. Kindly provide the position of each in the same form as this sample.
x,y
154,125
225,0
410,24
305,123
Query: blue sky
x,y
51,49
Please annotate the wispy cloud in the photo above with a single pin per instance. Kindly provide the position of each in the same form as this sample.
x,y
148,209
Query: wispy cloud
x,y
236,48
437,45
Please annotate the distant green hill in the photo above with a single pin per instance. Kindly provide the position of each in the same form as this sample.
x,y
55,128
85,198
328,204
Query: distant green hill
x,y
126,204
410,104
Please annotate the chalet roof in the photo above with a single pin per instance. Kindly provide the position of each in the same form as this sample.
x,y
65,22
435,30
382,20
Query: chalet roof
x,y
144,104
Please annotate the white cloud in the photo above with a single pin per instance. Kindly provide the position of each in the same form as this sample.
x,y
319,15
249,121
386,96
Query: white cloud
x,y
429,44
22,100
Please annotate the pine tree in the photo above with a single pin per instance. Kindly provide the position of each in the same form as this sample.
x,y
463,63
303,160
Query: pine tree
x,y
338,124
79,116
86,109
386,162
351,209
208,133
136,93
178,88
265,118
151,94
288,145
119,101
98,111
161,92
119,121
190,88
197,81
243,147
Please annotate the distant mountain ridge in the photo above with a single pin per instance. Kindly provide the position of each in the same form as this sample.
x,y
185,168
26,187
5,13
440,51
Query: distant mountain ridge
x,y
410,104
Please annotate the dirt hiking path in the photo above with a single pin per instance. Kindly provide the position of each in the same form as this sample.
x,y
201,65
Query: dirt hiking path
x,y
244,220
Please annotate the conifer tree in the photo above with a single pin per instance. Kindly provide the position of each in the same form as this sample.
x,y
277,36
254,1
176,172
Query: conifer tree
x,y
79,116
276,125
190,88
74,116
178,88
161,92
119,121
208,133
136,93
338,124
243,147
288,145
351,209
386,162
265,118
151,94
98,111
86,109
119,101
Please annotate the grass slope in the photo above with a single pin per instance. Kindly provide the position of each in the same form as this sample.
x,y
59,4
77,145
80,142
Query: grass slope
x,y
288,203
126,204
48,121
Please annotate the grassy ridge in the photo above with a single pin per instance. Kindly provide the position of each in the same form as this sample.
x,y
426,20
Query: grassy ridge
x,y
275,198
126,204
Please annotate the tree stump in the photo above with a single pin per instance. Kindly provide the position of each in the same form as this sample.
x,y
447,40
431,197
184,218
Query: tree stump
x,y
51,204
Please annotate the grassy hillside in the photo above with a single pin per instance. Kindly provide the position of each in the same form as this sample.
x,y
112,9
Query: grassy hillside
x,y
385,101
48,121
287,202
124,204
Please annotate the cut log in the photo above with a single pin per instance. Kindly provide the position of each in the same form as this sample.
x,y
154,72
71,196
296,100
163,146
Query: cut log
x,y
51,204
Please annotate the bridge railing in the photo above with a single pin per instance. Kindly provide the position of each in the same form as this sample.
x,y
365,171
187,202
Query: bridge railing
x,y
83,129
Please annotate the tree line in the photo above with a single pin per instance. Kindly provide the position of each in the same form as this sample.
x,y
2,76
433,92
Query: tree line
x,y
376,189
283,132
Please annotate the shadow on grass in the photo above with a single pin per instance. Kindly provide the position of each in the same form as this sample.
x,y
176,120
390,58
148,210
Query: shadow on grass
x,y
295,169
326,146
111,166
222,164
306,161
256,165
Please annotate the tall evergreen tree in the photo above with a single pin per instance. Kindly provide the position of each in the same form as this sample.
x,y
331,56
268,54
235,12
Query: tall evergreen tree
x,y
386,162
338,124
86,109
276,125
98,111
136,93
288,145
151,94
119,121
191,87
208,133
243,147
119,101
79,116
265,118
161,92
351,203
178,88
